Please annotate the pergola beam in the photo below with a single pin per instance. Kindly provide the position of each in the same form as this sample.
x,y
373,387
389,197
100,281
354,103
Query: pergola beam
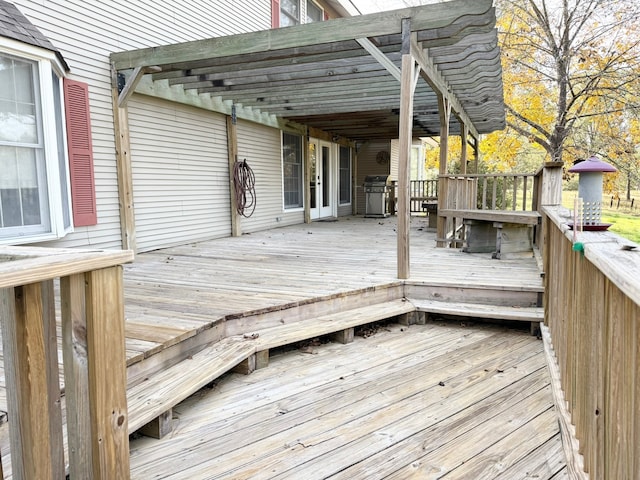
x,y
382,59
299,36
435,79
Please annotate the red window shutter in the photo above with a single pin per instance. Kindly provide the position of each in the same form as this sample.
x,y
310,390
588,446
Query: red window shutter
x,y
83,191
275,13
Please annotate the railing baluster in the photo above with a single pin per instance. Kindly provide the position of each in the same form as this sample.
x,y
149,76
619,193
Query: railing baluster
x,y
495,191
76,374
484,193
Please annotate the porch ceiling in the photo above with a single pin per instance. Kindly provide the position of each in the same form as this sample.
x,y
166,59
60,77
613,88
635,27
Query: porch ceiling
x,y
342,75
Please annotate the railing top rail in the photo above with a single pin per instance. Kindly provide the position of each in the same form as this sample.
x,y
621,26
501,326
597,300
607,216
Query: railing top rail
x,y
615,256
487,175
25,265
548,165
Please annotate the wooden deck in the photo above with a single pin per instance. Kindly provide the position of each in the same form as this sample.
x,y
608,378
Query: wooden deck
x,y
179,300
175,293
439,400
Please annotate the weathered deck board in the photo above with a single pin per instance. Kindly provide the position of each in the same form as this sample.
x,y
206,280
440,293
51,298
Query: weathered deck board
x,y
193,286
449,400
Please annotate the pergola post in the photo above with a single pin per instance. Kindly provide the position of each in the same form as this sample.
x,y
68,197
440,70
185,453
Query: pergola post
x,y
232,150
444,106
476,153
464,149
407,88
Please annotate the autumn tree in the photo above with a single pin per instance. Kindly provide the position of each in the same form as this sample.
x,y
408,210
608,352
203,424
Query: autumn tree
x,y
571,76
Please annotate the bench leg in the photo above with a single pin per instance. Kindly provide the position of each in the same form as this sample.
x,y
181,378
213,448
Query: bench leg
x,y
159,427
247,366
410,318
343,336
498,226
262,359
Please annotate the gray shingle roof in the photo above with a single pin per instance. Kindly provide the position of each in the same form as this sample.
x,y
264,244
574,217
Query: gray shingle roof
x,y
14,25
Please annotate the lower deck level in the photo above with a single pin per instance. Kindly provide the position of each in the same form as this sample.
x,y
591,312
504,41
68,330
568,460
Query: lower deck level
x,y
440,400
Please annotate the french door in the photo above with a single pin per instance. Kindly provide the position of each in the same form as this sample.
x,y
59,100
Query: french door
x,y
321,179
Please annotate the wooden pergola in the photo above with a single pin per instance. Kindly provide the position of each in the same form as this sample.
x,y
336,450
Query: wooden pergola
x,y
354,79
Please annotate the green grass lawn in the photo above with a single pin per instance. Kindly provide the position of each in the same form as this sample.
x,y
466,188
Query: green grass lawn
x,y
625,223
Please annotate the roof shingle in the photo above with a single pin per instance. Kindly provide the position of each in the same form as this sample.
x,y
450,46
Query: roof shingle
x,y
14,25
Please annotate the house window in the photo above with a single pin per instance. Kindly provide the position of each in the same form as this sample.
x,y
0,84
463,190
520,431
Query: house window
x,y
34,179
345,175
289,12
292,171
314,12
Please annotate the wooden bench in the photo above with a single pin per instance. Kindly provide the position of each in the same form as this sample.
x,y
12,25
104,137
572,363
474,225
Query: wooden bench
x,y
150,402
534,315
513,229
430,207
340,325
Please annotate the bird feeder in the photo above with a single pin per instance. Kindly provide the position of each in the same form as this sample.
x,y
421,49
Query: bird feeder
x,y
590,172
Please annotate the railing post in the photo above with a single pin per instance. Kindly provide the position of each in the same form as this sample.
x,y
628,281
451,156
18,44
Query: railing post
x,y
107,373
92,317
33,389
551,188
441,227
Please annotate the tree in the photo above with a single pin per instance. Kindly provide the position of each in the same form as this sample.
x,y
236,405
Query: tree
x,y
570,71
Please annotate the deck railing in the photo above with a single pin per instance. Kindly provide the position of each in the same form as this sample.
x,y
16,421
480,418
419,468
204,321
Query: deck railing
x,y
592,309
421,191
92,317
508,191
500,191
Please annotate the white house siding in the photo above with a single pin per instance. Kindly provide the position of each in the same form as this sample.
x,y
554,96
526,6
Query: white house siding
x,y
344,210
180,173
262,148
87,31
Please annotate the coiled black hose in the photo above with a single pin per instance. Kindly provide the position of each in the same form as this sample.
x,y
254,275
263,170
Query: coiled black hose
x,y
244,182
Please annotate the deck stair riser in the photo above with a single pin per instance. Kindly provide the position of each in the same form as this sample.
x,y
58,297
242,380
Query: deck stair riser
x,y
483,296
152,400
318,307
296,331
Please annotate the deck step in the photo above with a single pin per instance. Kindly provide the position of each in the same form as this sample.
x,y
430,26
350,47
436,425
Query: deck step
x,y
153,397
461,309
303,330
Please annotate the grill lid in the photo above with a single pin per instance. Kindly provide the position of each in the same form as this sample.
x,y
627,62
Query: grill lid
x,y
375,180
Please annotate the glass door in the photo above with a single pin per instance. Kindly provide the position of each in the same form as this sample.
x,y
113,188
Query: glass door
x,y
321,179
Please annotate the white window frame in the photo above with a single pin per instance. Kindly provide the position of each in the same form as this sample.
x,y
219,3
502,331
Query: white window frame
x,y
301,185
47,65
350,182
285,13
311,2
